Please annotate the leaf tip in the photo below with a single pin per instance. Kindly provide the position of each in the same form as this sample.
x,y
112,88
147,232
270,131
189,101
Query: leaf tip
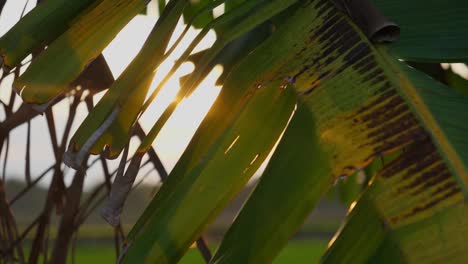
x,y
73,159
111,216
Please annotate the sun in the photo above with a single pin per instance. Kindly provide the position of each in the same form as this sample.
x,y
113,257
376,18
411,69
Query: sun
x,y
179,129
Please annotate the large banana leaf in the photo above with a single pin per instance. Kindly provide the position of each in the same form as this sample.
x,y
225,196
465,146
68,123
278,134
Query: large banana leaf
x,y
202,192
199,13
241,19
236,92
363,104
296,177
415,212
125,97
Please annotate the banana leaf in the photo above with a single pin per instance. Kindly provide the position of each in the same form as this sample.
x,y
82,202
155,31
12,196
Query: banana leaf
x,y
201,193
238,88
40,27
229,26
363,104
411,210
61,63
194,8
295,178
127,95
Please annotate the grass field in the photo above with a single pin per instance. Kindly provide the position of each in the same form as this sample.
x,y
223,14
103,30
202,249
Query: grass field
x,y
295,252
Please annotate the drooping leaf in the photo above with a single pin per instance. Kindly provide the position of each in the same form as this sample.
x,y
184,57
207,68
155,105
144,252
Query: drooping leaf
x,y
441,111
235,15
227,58
247,17
232,53
55,68
239,86
40,27
336,53
194,8
295,178
128,92
363,103
201,193
414,212
161,5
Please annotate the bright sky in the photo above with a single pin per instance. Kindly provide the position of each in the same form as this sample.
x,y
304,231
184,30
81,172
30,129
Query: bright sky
x,y
173,138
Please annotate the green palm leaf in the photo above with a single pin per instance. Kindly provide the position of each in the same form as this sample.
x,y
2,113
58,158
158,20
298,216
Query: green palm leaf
x,y
122,103
373,106
296,177
199,194
39,28
51,73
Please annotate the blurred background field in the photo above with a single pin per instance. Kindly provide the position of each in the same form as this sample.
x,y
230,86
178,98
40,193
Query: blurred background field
x,y
95,242
296,252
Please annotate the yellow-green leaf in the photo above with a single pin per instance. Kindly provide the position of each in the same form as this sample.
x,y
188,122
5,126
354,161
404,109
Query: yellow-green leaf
x,y
62,62
201,193
39,27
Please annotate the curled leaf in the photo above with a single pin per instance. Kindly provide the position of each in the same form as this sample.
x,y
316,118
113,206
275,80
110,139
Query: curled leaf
x,y
375,25
120,189
76,159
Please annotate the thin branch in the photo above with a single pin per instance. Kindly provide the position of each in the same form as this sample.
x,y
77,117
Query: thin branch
x,y
41,232
21,116
28,155
46,244
11,103
107,175
24,8
5,159
71,118
152,155
204,250
67,227
25,232
10,226
73,248
31,185
52,133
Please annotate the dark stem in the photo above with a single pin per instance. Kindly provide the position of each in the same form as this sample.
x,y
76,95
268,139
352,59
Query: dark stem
x,y
67,224
30,186
28,155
